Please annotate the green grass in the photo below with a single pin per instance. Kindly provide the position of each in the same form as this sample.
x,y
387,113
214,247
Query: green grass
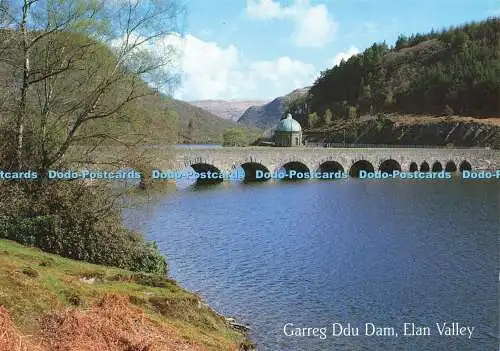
x,y
34,283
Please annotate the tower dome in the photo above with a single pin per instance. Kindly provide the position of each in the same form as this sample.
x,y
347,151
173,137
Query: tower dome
x,y
288,132
288,124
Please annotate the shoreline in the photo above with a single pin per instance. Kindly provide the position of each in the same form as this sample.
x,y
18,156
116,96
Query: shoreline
x,y
56,286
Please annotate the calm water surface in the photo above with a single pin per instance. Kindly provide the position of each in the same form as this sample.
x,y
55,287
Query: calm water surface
x,y
351,251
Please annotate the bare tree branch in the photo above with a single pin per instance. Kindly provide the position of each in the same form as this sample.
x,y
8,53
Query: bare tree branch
x,y
69,83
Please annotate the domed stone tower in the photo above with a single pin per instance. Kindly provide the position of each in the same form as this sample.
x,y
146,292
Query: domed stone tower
x,y
288,132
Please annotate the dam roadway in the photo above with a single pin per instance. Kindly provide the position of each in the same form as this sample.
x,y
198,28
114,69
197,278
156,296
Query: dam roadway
x,y
349,160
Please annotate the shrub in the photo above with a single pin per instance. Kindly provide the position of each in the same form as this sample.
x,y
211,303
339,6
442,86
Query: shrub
x,y
151,280
234,137
77,221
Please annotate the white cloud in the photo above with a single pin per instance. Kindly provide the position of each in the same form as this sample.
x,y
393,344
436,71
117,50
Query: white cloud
x,y
344,55
314,26
210,71
264,9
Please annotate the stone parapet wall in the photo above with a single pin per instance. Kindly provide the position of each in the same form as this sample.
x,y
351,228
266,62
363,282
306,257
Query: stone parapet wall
x,y
273,158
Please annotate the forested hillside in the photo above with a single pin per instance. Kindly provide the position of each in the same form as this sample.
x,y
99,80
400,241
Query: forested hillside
x,y
450,72
158,118
148,116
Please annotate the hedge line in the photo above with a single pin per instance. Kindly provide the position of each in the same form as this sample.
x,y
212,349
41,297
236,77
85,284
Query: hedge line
x,y
123,248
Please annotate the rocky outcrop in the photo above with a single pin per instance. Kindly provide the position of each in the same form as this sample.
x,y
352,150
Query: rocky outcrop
x,y
442,133
264,116
268,115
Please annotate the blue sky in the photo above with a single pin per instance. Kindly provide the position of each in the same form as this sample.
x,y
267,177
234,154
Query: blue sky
x,y
261,49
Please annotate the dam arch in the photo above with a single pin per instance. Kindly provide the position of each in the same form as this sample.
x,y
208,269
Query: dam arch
x,y
465,166
361,165
330,166
207,170
437,167
450,167
297,167
251,168
389,166
424,167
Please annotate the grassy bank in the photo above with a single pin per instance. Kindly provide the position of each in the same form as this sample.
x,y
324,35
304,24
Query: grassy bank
x,y
44,294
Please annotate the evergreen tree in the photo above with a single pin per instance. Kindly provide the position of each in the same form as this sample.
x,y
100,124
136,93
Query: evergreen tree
x,y
312,120
327,118
401,42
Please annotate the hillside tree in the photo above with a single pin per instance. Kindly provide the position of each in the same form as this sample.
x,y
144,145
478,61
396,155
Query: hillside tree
x,y
312,120
74,62
327,118
234,137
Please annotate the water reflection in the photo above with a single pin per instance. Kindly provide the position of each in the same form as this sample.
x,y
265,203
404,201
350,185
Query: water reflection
x,y
314,253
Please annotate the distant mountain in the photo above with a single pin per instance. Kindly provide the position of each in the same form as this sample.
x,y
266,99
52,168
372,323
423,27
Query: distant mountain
x,y
199,125
268,115
227,109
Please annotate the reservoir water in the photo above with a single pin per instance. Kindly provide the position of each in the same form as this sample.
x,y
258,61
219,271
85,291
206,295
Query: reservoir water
x,y
353,251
